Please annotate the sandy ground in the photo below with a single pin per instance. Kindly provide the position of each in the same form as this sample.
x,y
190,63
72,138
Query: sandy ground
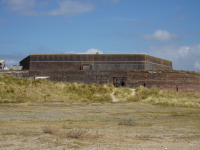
x,y
157,128
114,99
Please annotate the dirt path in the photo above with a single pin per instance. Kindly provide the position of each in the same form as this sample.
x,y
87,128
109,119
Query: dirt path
x,y
114,99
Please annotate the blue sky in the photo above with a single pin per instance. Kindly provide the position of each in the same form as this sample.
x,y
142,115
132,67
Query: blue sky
x,y
169,29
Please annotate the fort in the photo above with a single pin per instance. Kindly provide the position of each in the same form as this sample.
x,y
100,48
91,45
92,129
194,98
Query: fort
x,y
131,70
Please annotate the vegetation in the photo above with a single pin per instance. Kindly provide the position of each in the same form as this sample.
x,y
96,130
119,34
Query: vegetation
x,y
17,90
165,97
127,122
74,133
122,93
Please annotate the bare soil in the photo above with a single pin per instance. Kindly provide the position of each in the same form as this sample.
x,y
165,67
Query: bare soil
x,y
157,128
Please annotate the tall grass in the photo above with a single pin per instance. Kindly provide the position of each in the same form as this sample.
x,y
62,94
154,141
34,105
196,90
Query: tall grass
x,y
122,93
15,90
18,90
165,97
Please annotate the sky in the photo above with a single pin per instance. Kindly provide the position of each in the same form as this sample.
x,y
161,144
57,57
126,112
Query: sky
x,y
168,29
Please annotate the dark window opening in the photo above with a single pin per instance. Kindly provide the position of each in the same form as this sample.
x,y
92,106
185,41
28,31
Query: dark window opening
x,y
119,81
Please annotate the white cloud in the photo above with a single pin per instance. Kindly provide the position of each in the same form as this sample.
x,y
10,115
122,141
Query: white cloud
x,y
160,35
30,7
70,52
11,62
91,51
71,8
12,59
183,51
183,57
24,7
197,65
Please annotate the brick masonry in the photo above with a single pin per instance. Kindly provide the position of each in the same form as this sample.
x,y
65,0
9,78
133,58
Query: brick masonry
x,y
64,62
187,81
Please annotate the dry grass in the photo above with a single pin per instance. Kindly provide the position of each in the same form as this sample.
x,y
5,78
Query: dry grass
x,y
127,122
165,97
74,133
122,92
18,90
74,126
49,130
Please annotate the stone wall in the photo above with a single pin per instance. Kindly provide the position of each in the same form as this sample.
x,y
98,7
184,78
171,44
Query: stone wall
x,y
187,81
22,74
64,62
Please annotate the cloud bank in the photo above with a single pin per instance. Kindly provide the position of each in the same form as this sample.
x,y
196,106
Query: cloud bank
x,y
160,35
183,57
32,7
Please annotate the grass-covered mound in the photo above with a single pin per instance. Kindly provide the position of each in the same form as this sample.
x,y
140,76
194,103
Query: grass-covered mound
x,y
165,97
122,93
19,90
16,90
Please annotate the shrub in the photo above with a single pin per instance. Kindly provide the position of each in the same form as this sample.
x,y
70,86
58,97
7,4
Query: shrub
x,y
127,122
74,133
77,134
49,130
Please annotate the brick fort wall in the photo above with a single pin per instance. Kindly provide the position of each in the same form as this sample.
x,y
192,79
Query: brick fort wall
x,y
187,81
66,62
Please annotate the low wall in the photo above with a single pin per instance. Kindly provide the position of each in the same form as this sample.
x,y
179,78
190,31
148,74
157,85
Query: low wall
x,y
187,81
22,74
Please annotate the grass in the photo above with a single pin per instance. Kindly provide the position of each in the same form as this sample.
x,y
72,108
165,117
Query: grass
x,y
165,97
156,126
19,90
122,92
74,133
127,122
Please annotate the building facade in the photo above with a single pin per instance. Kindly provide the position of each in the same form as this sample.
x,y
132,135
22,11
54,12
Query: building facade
x,y
63,62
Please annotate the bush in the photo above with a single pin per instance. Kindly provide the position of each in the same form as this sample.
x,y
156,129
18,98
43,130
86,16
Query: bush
x,y
49,130
127,122
74,133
